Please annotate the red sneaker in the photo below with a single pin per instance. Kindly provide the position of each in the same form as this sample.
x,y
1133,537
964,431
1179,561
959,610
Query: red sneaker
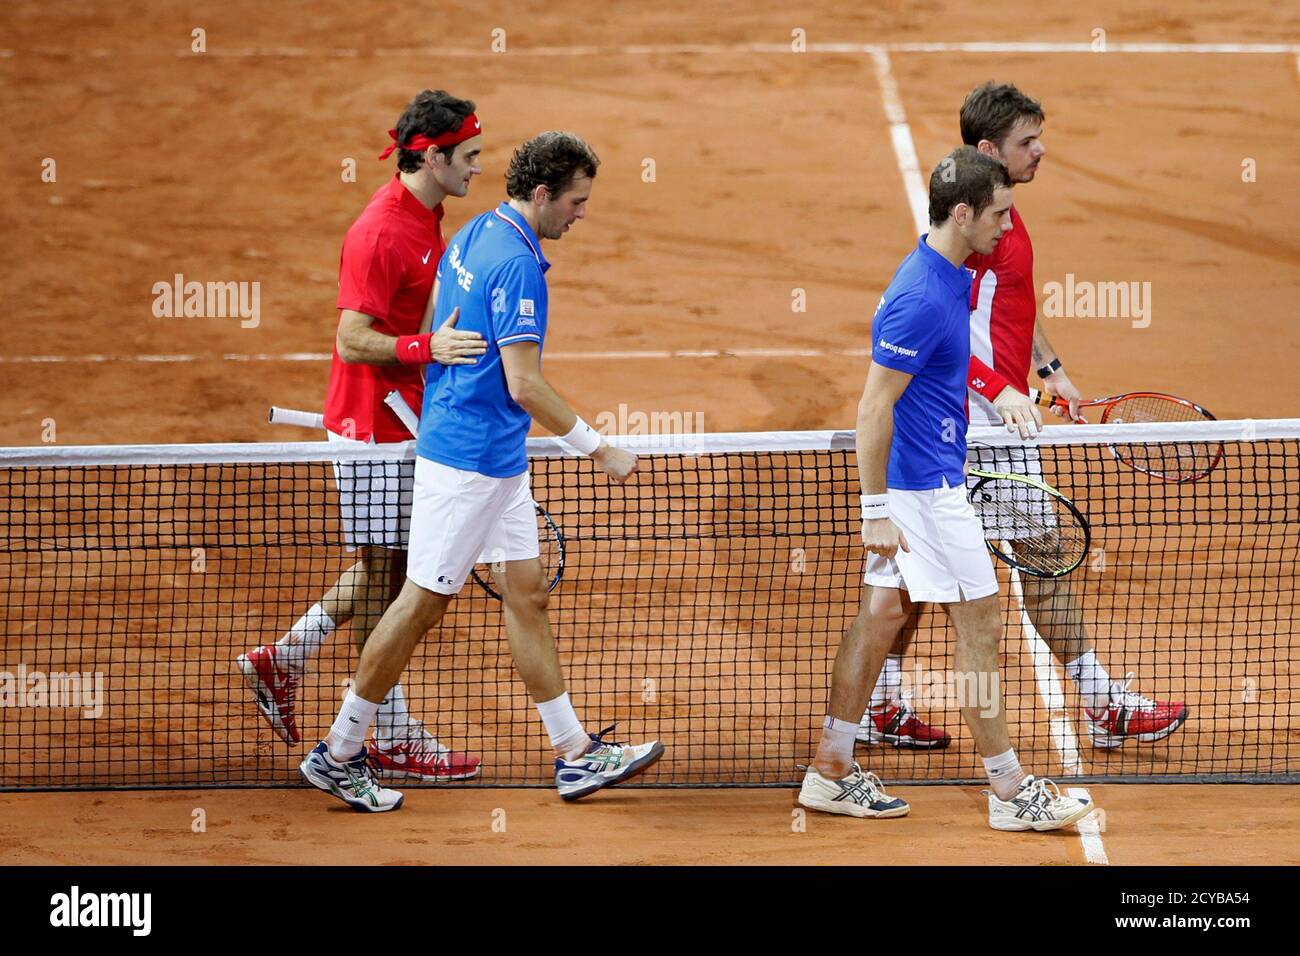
x,y
896,723
274,684
1131,716
421,757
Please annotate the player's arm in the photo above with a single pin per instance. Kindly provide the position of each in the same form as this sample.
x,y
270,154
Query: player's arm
x,y
359,343
522,364
1057,383
875,434
1017,411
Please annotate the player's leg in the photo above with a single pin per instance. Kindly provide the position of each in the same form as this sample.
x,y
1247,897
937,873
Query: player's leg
x,y
584,763
889,717
835,783
1017,801
1114,713
370,516
450,514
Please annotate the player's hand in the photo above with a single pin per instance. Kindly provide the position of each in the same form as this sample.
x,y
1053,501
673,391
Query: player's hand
x,y
615,462
1018,412
451,347
883,537
1058,385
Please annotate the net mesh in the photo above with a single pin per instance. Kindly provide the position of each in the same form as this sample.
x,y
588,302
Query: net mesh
x,y
701,604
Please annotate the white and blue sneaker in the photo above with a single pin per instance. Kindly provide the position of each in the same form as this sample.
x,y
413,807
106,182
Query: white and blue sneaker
x,y
1036,805
603,765
860,794
353,781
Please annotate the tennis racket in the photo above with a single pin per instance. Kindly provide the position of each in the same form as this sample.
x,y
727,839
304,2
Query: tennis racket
x,y
1169,461
551,544
1047,533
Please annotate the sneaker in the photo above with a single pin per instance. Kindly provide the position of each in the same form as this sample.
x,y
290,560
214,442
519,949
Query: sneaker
x,y
274,684
419,756
603,765
1131,716
896,723
857,795
1037,805
353,781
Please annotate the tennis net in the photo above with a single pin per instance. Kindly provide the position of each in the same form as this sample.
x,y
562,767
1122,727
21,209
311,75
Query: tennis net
x,y
701,604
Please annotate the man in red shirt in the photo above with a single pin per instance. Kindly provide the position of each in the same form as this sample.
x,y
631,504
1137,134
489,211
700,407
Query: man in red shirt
x,y
1006,342
386,280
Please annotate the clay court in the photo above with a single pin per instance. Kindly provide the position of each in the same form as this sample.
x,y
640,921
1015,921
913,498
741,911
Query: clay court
x,y
774,171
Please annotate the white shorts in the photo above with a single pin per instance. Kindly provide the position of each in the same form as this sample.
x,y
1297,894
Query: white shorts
x,y
1011,512
461,518
374,498
948,561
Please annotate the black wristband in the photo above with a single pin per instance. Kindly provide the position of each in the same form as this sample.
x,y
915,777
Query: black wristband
x,y
1049,368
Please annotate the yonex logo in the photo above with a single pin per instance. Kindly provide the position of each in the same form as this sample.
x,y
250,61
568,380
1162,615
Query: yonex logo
x,y
897,349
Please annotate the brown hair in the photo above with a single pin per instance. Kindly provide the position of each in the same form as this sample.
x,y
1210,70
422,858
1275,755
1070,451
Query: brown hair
x,y
964,176
553,159
992,109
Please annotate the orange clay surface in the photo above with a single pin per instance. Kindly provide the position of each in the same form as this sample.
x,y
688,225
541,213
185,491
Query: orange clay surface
x,y
773,172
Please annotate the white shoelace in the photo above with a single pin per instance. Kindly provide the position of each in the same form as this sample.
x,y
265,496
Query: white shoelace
x,y
1128,698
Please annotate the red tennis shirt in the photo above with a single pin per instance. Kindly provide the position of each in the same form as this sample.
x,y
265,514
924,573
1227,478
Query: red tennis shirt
x,y
1004,308
389,261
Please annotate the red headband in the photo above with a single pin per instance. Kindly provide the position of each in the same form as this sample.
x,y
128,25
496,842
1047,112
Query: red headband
x,y
468,129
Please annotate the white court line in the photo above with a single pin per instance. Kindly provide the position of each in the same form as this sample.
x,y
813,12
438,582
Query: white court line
x,y
900,133
1090,832
684,49
611,356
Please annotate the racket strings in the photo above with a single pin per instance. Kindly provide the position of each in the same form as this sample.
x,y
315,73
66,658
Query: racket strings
x,y
1172,461
1045,536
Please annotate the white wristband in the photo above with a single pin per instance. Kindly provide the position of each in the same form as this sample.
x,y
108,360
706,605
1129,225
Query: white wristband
x,y
582,437
875,506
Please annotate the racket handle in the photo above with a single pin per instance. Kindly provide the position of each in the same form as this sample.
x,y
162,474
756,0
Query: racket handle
x,y
292,416
1047,401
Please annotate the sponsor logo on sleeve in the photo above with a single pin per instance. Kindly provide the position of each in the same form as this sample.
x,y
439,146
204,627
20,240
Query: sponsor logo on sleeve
x,y
896,349
526,307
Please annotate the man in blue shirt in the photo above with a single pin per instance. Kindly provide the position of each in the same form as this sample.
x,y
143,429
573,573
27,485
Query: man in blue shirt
x,y
911,438
472,500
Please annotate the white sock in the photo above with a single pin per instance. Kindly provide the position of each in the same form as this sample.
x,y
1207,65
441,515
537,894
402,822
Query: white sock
x,y
392,718
1005,774
837,740
306,636
890,682
348,734
1092,680
563,727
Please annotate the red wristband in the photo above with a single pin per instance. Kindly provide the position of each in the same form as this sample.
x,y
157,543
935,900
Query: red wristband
x,y
984,380
414,349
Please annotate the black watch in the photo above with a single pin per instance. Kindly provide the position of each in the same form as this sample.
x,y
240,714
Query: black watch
x,y
1048,369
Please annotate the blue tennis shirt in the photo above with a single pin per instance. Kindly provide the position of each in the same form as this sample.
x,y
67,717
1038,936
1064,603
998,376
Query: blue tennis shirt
x,y
494,272
922,327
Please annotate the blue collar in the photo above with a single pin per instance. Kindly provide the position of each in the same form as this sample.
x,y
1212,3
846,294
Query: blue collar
x,y
506,212
954,277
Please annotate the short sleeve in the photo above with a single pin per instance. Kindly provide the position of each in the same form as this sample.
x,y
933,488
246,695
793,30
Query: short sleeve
x,y
517,302
370,273
903,333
